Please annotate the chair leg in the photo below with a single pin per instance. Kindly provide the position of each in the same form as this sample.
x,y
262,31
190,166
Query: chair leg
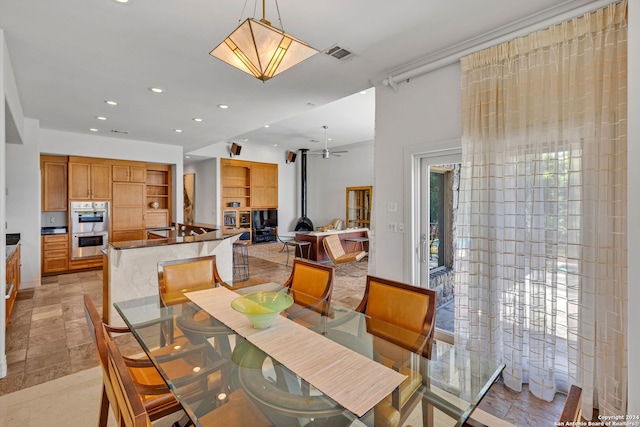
x,y
104,408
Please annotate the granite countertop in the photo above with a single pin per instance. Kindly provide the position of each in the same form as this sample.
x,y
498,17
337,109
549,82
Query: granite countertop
x,y
184,233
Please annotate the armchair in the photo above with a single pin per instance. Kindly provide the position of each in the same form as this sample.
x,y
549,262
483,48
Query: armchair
x,y
333,246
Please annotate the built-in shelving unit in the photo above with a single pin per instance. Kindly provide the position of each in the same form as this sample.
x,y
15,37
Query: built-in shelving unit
x,y
246,186
158,186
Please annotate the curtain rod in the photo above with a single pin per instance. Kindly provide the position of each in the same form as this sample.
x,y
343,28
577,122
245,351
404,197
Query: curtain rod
x,y
394,81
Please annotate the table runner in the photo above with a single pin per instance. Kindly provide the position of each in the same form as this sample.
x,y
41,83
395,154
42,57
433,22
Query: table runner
x,y
354,381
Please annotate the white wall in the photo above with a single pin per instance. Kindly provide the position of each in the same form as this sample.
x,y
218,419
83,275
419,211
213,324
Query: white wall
x,y
23,201
424,111
327,180
206,196
633,139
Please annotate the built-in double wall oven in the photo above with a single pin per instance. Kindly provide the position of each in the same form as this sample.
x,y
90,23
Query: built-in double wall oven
x,y
89,229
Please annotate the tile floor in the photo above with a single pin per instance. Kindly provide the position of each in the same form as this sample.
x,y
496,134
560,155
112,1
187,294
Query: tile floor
x,y
48,338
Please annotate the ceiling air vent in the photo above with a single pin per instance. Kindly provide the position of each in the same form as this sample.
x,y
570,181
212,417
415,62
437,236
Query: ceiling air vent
x,y
121,132
340,53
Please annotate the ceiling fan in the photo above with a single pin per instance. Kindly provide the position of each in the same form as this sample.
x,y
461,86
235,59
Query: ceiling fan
x,y
325,151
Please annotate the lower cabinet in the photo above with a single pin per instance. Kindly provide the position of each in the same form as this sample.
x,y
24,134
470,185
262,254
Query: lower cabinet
x,y
55,253
13,281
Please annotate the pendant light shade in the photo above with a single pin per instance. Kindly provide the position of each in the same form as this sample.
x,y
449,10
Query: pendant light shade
x,y
261,50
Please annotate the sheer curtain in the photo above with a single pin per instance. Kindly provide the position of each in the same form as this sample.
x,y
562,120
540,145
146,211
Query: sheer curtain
x,y
542,253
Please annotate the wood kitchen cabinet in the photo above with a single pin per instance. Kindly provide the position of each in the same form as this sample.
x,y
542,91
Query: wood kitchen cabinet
x,y
264,185
89,181
13,279
54,183
129,173
55,253
128,211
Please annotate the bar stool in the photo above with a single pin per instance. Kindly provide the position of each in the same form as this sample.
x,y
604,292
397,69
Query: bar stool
x,y
240,261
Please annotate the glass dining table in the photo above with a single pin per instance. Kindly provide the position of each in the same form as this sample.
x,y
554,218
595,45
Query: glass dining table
x,y
450,384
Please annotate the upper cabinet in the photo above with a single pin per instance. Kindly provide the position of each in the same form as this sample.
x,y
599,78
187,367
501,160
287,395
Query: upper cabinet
x,y
129,173
359,207
89,181
54,183
264,185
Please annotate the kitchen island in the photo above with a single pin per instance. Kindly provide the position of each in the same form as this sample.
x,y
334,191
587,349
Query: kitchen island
x,y
131,267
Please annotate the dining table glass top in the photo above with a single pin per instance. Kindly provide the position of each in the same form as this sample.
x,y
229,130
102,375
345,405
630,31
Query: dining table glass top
x,y
183,337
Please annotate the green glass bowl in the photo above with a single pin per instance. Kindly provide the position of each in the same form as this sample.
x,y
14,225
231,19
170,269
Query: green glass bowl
x,y
262,308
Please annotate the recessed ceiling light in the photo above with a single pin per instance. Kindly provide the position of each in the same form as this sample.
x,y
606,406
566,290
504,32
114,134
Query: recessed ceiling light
x,y
223,106
178,130
124,1
93,130
196,119
156,90
266,126
275,145
110,102
364,92
101,118
329,139
187,157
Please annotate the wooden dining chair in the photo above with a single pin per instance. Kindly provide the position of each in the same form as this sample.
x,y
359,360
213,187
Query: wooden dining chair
x,y
311,286
158,400
401,319
175,277
129,410
126,404
571,412
335,250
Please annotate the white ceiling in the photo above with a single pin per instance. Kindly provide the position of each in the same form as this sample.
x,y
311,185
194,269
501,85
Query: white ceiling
x,y
70,56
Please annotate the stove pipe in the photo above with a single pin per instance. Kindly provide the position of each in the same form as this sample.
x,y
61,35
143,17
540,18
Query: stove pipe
x,y
304,223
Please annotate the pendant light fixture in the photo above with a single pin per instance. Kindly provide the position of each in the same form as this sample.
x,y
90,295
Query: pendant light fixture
x,y
259,49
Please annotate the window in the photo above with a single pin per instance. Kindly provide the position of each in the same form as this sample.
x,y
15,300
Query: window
x,y
441,197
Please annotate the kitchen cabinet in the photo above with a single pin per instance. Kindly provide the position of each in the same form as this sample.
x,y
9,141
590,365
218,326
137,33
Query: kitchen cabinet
x,y
89,181
129,173
13,281
264,185
359,207
54,183
55,253
128,211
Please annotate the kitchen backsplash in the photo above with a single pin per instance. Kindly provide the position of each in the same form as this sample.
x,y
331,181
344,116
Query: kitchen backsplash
x,y
53,219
